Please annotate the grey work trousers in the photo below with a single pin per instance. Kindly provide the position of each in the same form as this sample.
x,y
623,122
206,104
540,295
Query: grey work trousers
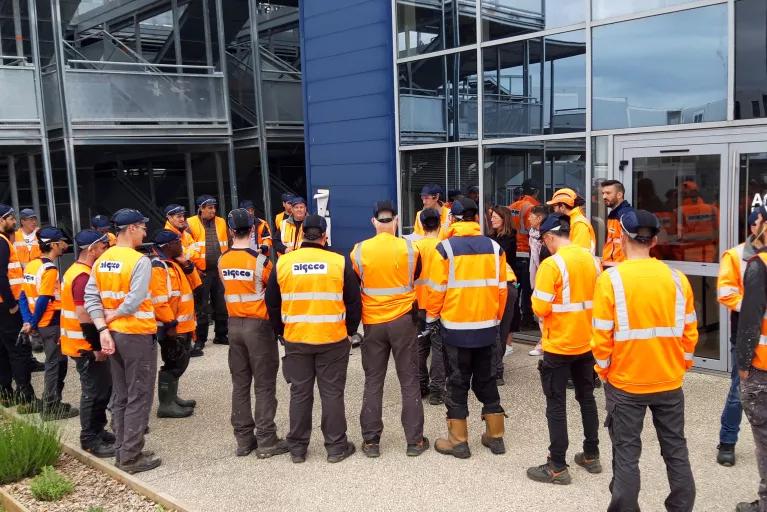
x,y
55,365
327,363
253,361
134,371
397,337
625,419
753,396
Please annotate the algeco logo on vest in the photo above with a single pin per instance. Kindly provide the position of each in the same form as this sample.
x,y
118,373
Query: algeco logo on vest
x,y
310,268
237,274
113,267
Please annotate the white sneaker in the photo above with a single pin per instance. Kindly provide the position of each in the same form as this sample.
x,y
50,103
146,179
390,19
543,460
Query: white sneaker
x,y
509,351
535,352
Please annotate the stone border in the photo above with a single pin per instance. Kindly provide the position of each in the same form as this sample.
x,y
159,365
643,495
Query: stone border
x,y
141,487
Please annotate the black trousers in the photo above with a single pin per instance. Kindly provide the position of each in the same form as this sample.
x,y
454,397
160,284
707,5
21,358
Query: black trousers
x,y
96,384
505,328
523,308
625,419
209,300
470,368
15,360
555,370
430,378
174,351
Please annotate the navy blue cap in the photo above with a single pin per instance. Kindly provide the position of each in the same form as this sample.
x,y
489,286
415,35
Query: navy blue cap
x,y
164,236
294,200
206,200
247,203
286,196
5,210
317,224
640,225
753,216
463,206
88,237
555,222
27,213
431,190
51,234
174,209
128,216
384,206
100,221
239,219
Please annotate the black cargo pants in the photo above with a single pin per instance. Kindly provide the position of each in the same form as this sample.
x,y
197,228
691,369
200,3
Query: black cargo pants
x,y
470,368
753,396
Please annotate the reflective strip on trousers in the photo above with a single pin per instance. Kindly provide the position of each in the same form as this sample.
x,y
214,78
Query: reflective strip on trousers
x,y
431,284
243,297
312,296
624,333
367,290
313,319
483,324
452,282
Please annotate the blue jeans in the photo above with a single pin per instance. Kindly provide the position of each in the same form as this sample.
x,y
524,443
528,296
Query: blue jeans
x,y
733,411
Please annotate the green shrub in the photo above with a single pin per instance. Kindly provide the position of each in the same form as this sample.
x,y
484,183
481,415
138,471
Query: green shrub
x,y
26,447
96,509
50,485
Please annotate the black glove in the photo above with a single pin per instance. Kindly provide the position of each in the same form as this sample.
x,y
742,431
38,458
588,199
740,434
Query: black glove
x,y
433,327
264,249
91,336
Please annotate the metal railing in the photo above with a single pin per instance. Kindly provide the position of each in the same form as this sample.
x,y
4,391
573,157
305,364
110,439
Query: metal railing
x,y
18,100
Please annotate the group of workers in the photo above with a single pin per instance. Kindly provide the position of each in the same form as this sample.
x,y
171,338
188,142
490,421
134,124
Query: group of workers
x,y
628,317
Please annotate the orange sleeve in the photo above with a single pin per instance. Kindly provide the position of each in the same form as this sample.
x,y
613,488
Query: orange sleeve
x,y
158,290
729,292
690,335
603,325
48,282
267,272
437,285
580,235
547,280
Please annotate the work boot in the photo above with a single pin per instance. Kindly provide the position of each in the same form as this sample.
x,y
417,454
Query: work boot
x,y
747,507
107,437
278,447
29,405
726,454
547,474
371,449
100,449
493,436
457,442
414,450
58,411
590,463
36,366
197,349
221,340
348,452
166,393
184,403
143,462
245,447
436,398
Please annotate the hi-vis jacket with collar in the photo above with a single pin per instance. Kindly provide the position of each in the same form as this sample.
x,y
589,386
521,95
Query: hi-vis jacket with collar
x,y
41,277
444,220
197,230
732,268
612,251
172,295
467,281
644,327
190,252
581,231
427,246
564,289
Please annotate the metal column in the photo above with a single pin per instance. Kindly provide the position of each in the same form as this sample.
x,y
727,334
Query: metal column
x,y
227,110
189,182
12,182
17,29
33,183
220,184
176,33
255,50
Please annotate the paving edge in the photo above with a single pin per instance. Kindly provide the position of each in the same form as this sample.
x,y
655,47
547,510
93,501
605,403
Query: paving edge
x,y
141,487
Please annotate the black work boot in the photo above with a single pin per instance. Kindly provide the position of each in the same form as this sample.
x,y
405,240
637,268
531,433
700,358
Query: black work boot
x,y
350,449
58,411
197,349
414,450
277,447
436,398
726,454
144,462
221,339
100,449
245,446
166,393
747,507
184,403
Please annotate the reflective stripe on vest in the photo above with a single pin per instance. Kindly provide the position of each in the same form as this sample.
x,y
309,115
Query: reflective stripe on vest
x,y
452,282
313,319
387,291
431,284
625,333
566,306
75,335
243,297
313,296
483,324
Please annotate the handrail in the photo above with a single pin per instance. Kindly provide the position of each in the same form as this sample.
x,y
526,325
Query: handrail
x,y
142,64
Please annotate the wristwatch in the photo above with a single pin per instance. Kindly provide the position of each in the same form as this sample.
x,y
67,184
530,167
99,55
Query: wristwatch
x,y
102,329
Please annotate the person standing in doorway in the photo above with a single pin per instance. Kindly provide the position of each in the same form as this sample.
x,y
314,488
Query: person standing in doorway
x,y
287,210
290,232
612,195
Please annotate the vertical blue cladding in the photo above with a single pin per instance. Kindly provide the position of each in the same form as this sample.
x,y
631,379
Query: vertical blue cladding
x,y
349,109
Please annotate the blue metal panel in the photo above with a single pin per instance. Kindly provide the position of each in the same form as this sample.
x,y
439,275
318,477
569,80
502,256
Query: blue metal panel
x,y
349,109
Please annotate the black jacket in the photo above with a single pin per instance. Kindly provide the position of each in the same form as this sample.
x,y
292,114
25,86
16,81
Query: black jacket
x,y
751,312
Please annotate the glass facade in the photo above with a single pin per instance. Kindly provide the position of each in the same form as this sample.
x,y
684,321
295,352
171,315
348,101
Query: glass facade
x,y
750,59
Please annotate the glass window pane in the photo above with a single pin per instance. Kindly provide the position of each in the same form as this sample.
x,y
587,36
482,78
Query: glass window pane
x,y
463,115
422,101
463,172
519,92
419,168
661,70
506,18
753,189
750,59
601,9
429,26
599,169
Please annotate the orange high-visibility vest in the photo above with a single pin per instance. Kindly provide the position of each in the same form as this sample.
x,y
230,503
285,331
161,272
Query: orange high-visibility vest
x,y
263,233
190,253
279,218
172,295
564,289
245,273
520,211
426,248
113,275
72,337
41,277
15,272
581,231
197,230
312,286
729,283
27,247
612,252
444,220
644,326
467,291
385,265
288,235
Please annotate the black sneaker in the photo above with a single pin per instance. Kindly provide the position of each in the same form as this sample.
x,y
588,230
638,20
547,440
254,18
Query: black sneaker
x,y
436,398
545,473
221,340
350,449
371,449
747,507
414,450
36,366
100,449
726,454
140,464
297,458
244,449
589,462
196,352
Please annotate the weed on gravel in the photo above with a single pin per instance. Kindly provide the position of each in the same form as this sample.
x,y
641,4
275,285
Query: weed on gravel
x,y
50,485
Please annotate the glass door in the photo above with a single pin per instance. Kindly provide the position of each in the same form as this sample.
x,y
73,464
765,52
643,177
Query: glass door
x,y
686,186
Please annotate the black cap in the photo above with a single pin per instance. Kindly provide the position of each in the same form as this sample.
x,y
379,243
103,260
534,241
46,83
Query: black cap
x,y
164,236
314,227
206,200
555,222
247,203
27,213
100,221
51,234
239,219
640,225
174,209
88,237
128,216
5,210
464,206
384,206
472,188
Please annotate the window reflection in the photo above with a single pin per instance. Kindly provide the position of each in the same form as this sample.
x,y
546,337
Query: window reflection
x,y
524,97
661,70
425,26
608,8
750,59
506,18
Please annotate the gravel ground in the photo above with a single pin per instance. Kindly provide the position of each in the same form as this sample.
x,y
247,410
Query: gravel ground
x,y
92,489
200,469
